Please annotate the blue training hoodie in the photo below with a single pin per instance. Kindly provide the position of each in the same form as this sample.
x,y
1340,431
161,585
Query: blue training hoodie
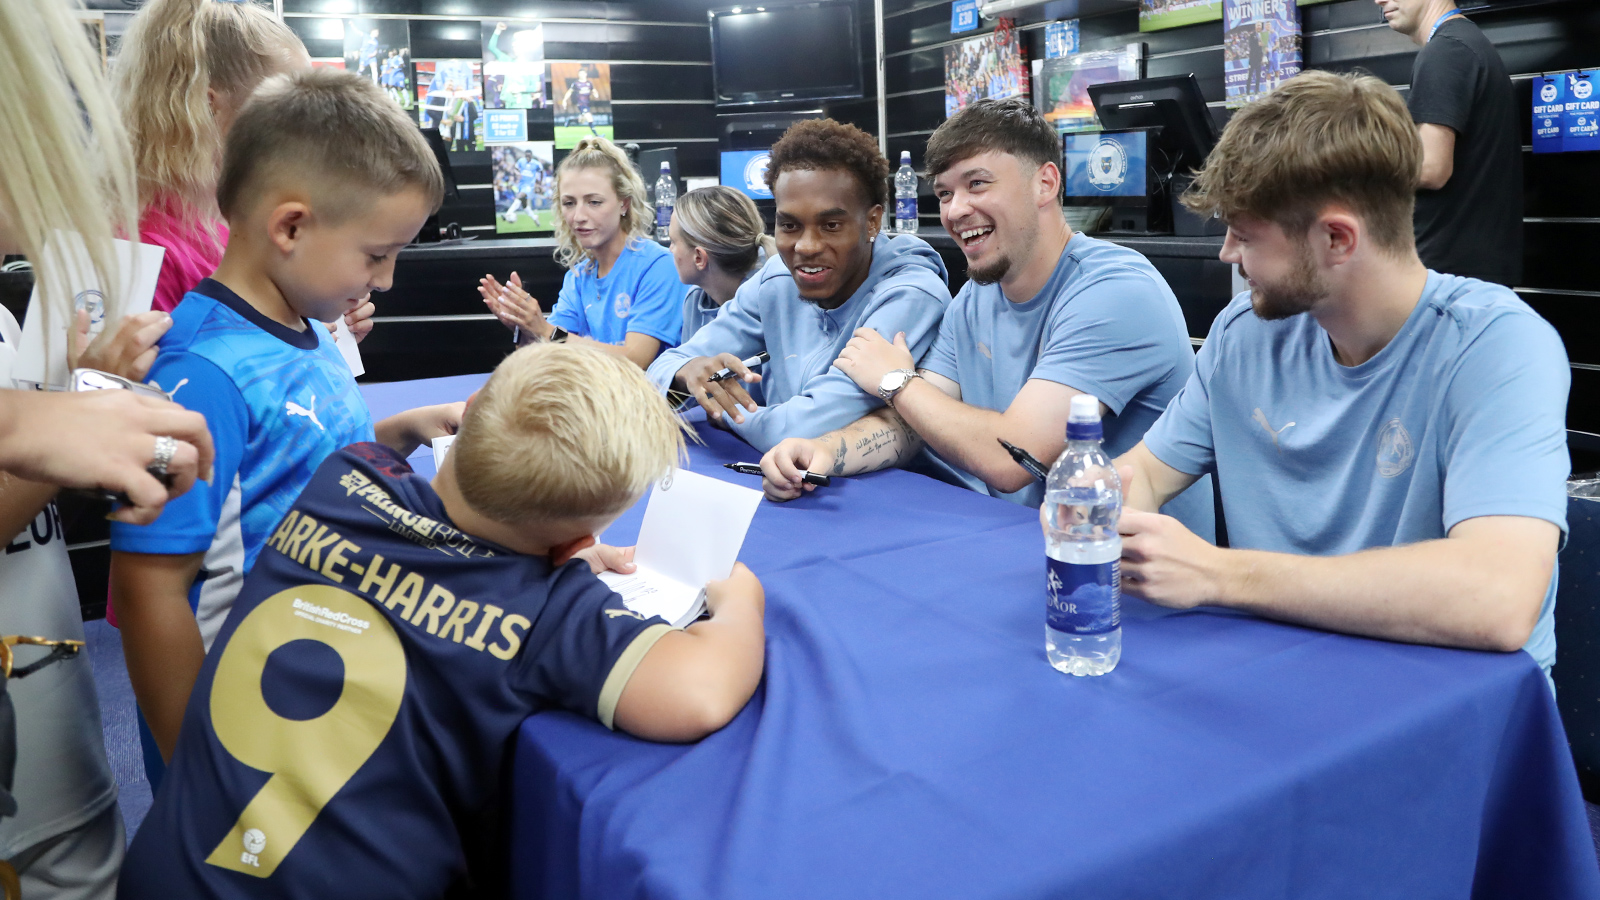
x,y
906,290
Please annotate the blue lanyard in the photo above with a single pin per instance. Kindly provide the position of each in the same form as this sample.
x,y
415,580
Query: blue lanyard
x,y
1441,20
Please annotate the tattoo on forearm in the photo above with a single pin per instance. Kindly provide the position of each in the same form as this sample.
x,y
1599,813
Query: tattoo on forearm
x,y
879,440
838,458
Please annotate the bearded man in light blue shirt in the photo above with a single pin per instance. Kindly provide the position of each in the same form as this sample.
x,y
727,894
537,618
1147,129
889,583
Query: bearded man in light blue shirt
x,y
1389,442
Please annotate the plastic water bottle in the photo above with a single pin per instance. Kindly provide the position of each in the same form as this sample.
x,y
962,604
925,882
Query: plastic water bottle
x,y
666,198
1083,587
905,196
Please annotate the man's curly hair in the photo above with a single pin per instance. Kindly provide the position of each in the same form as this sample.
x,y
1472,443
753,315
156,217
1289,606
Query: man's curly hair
x,y
819,144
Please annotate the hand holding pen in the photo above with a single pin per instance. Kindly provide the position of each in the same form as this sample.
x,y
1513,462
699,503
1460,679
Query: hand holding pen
x,y
722,395
744,468
1026,460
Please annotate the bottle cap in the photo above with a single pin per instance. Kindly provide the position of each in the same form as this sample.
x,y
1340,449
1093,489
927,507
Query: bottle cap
x,y
1083,422
905,157
666,166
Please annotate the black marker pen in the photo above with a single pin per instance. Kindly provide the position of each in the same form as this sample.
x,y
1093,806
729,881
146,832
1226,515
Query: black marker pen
x,y
751,363
753,469
1025,459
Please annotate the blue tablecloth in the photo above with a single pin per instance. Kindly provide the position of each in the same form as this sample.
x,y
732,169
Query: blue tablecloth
x,y
909,739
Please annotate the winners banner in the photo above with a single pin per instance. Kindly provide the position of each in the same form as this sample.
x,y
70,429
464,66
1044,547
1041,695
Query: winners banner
x,y
1261,47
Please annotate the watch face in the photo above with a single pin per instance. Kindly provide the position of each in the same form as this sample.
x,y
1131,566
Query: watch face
x,y
893,381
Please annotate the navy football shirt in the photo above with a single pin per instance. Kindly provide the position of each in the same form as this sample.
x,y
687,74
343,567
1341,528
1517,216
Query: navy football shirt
x,y
354,713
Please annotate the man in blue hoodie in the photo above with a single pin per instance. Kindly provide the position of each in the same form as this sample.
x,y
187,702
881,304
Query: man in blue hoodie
x,y
835,273
1047,315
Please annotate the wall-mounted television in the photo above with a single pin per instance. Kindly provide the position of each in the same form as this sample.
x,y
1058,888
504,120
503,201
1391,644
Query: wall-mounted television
x,y
785,53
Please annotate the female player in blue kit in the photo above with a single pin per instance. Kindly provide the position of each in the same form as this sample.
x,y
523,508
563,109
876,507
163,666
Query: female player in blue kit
x,y
622,289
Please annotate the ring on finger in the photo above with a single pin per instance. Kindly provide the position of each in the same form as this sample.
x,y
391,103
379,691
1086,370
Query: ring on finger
x,y
166,448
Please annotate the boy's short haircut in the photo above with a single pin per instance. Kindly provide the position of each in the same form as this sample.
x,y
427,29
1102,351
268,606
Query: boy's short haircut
x,y
823,144
1011,126
1319,138
334,131
564,432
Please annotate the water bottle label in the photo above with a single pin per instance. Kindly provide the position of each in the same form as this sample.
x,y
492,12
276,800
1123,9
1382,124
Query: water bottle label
x,y
1083,599
663,216
905,208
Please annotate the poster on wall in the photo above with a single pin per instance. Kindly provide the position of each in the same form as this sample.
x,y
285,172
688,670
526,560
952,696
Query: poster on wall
x,y
581,96
1061,86
513,65
990,66
380,49
1060,39
524,186
1155,15
450,98
1311,2
1260,47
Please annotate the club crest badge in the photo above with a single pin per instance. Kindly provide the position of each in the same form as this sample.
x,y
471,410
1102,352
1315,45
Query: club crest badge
x,y
1108,166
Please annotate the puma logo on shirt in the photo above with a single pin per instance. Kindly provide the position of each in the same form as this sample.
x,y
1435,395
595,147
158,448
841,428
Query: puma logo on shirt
x,y
1261,418
295,409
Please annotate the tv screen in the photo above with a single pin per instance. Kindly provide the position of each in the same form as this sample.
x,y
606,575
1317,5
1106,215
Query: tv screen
x,y
746,171
1108,167
778,54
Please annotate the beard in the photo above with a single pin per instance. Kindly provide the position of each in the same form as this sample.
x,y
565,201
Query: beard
x,y
992,272
1023,245
1298,293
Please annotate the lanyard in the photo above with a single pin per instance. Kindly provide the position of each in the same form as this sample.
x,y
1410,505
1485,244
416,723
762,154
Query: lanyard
x,y
1437,23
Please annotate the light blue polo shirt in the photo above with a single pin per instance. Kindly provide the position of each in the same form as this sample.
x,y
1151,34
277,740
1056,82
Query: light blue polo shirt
x,y
641,293
1104,324
1463,414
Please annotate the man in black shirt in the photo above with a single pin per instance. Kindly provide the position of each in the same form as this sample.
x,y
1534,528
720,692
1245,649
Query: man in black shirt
x,y
1469,210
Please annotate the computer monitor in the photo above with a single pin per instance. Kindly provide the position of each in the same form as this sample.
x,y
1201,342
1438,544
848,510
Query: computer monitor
x,y
1172,103
1107,168
745,171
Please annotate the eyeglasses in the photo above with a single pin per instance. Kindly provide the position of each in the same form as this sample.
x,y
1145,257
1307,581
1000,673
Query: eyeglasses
x,y
59,650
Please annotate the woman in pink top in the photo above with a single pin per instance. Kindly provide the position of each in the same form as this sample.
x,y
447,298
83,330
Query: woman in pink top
x,y
184,70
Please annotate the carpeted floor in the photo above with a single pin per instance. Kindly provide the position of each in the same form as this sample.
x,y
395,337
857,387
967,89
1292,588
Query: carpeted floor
x,y
122,728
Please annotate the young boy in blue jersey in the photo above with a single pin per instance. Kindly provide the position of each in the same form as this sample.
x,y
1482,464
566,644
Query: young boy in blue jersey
x,y
1389,442
354,716
323,180
835,273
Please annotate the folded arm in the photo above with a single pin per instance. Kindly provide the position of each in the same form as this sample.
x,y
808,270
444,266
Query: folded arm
x,y
876,441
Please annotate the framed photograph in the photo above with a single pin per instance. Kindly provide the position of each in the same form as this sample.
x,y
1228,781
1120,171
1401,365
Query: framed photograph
x,y
513,65
450,98
380,49
580,94
1155,15
988,66
524,187
1260,47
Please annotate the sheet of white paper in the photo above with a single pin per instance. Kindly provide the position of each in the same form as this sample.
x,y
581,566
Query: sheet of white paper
x,y
140,264
346,342
441,446
692,531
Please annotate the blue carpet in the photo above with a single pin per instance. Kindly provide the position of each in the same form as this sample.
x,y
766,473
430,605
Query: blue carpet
x,y
118,715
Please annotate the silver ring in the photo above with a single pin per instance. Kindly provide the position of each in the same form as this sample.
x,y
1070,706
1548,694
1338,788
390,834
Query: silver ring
x,y
166,448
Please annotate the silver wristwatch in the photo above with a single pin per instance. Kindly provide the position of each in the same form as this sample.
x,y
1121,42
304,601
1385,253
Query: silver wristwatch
x,y
895,382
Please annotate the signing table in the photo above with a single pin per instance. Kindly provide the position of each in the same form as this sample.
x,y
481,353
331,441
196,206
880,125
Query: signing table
x,y
909,740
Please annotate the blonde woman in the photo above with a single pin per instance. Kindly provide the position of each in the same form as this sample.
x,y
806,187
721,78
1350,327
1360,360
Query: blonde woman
x,y
718,241
185,69
66,167
622,290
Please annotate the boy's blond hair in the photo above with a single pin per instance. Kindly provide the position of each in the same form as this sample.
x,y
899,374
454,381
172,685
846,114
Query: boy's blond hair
x,y
173,53
638,220
564,432
1319,138
335,133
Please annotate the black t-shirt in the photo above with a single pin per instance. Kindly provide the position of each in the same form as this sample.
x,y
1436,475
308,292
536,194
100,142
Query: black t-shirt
x,y
1473,225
